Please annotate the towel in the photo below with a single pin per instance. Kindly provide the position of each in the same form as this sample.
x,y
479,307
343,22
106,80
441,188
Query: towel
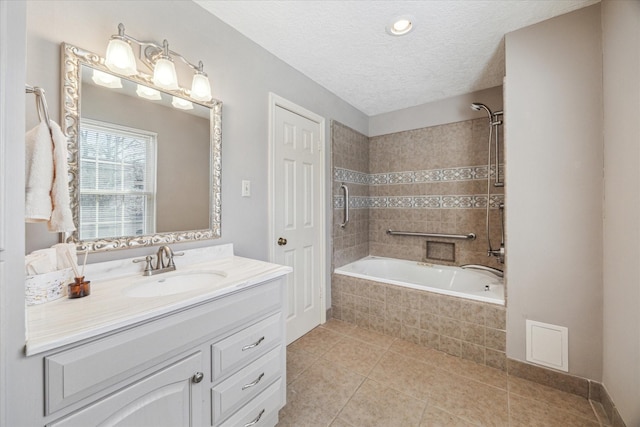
x,y
62,260
39,174
41,261
61,216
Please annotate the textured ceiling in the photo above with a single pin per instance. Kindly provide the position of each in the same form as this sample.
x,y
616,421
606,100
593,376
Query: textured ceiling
x,y
456,47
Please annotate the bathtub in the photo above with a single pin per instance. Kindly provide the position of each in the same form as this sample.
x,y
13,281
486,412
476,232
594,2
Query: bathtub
x,y
454,281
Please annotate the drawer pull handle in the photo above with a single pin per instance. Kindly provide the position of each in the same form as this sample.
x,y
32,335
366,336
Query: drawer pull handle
x,y
255,344
255,421
246,386
197,377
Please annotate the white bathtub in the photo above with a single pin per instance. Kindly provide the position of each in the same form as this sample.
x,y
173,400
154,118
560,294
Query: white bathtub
x,y
455,281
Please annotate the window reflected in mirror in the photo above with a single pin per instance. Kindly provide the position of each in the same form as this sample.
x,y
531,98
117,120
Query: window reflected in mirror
x,y
117,180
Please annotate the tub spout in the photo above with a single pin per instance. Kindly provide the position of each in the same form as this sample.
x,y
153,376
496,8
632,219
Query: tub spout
x,y
495,271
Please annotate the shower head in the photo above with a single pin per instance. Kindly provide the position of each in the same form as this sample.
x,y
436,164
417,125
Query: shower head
x,y
478,106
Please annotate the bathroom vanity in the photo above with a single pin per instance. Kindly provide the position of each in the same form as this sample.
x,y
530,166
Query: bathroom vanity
x,y
209,354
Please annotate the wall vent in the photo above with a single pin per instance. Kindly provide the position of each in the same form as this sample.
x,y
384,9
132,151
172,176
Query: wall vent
x,y
548,345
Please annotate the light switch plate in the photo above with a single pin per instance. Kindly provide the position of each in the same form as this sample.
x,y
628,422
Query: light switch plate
x,y
246,188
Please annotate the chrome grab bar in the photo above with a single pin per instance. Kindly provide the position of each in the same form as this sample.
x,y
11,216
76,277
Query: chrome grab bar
x,y
495,271
346,205
470,236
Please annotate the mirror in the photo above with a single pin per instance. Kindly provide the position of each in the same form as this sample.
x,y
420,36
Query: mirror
x,y
144,163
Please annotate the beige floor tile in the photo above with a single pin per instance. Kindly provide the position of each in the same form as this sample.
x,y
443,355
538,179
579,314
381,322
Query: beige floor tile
x,y
416,351
466,368
468,399
374,405
297,362
297,414
339,326
525,412
405,375
338,422
553,397
318,341
370,337
354,355
341,375
436,417
323,388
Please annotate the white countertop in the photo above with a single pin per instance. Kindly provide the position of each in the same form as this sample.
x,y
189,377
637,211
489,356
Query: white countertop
x,y
66,321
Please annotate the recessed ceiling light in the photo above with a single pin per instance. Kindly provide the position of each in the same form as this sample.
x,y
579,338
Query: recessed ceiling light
x,y
400,25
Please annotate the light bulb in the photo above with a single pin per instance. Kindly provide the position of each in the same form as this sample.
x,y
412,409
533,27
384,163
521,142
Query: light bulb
x,y
107,80
200,87
148,93
182,104
164,74
401,25
120,58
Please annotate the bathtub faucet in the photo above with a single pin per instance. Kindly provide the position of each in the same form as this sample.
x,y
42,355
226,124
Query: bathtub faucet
x,y
498,253
495,271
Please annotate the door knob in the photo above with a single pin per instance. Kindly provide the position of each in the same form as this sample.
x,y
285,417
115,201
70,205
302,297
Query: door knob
x,y
197,377
282,241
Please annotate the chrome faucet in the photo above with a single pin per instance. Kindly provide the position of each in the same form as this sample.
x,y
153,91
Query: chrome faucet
x,y
164,261
495,271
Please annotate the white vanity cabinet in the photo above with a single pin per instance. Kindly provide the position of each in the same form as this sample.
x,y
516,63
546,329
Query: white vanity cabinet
x,y
220,362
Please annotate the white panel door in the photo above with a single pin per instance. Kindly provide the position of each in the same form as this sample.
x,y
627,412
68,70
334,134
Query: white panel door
x,y
297,198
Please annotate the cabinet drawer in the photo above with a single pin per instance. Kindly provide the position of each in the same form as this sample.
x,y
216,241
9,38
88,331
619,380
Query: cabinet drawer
x,y
96,368
167,398
260,411
245,384
241,347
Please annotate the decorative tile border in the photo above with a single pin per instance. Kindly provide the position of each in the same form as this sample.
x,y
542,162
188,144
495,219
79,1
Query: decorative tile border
x,y
472,201
466,173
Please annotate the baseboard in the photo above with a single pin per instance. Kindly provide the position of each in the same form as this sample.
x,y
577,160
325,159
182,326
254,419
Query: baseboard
x,y
583,387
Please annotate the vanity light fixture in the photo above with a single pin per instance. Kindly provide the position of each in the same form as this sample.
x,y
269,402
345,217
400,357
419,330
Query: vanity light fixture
x,y
148,93
120,59
400,25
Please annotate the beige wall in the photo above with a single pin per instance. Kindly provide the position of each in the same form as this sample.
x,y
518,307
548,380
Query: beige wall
x,y
621,46
553,104
450,110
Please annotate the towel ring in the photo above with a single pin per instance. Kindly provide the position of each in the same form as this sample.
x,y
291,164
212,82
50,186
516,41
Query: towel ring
x,y
41,103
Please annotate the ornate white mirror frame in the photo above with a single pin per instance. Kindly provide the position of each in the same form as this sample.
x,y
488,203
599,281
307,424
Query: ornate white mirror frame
x,y
73,58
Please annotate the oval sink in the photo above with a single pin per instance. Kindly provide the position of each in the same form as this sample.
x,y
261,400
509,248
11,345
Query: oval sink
x,y
174,283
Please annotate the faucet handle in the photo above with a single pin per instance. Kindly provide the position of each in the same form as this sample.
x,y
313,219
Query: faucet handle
x,y
147,268
170,260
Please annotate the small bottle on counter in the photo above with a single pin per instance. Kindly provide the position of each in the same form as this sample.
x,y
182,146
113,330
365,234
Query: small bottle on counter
x,y
79,288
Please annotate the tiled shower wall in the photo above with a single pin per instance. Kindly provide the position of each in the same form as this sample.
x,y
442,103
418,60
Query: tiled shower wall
x,y
426,180
436,184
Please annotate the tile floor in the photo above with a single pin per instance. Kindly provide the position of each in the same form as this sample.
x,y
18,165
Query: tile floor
x,y
341,375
